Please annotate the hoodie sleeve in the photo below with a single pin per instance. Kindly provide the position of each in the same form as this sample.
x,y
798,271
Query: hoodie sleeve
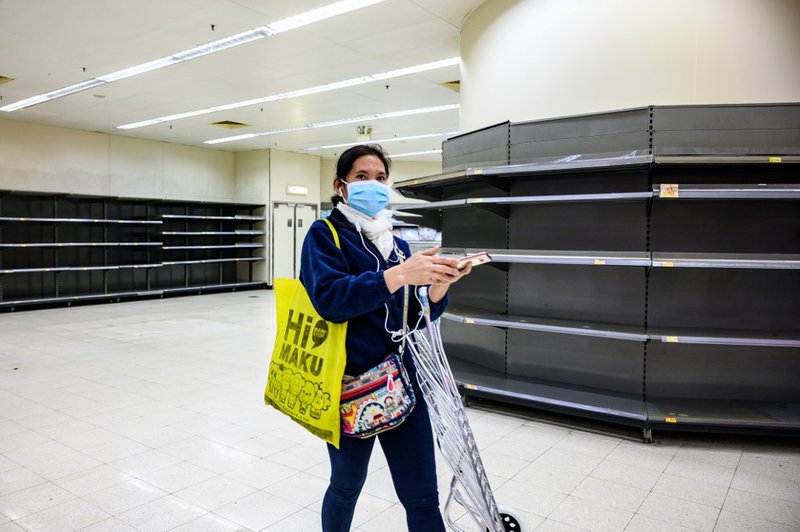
x,y
337,294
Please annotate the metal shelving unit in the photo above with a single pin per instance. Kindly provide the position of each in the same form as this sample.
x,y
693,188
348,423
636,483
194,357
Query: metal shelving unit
x,y
692,320
61,248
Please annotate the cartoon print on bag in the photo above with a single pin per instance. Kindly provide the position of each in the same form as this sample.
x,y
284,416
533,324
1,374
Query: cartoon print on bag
x,y
286,382
322,401
306,396
294,390
274,380
370,414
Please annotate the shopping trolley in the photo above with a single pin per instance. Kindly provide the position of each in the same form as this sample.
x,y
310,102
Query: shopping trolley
x,y
470,486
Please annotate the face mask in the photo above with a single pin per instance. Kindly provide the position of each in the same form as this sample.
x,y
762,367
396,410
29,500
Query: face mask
x,y
368,197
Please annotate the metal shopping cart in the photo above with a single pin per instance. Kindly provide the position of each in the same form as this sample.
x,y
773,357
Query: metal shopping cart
x,y
470,486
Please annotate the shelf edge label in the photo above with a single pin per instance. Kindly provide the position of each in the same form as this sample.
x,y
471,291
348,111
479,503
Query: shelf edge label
x,y
669,190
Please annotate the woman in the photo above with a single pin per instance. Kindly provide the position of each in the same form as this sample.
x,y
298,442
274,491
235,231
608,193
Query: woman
x,y
362,283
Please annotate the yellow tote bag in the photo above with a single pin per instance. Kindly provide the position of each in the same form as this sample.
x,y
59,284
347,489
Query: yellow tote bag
x,y
307,363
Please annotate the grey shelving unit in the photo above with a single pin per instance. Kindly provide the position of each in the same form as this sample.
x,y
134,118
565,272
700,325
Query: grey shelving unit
x,y
63,249
646,264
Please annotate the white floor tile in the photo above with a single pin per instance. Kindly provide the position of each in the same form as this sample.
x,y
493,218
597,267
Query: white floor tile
x,y
761,507
124,496
679,512
692,490
610,494
734,522
177,476
165,513
258,510
19,479
31,500
585,514
215,492
73,515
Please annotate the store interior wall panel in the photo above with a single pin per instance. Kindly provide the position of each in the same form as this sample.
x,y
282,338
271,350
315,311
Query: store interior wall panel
x,y
686,174
603,294
480,148
741,300
604,146
588,226
475,228
581,182
576,361
725,226
482,346
737,142
602,134
723,372
484,288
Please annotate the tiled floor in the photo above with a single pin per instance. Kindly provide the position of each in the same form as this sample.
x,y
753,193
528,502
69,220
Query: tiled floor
x,y
148,416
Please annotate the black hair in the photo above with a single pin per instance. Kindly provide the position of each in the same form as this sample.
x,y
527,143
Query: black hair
x,y
348,158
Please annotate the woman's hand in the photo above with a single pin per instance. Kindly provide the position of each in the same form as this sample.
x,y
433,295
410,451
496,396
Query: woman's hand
x,y
425,267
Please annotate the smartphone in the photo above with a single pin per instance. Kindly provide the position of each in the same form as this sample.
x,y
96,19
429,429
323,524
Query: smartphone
x,y
475,259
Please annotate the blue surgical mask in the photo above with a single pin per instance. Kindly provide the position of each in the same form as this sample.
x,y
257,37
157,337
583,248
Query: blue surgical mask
x,y
368,197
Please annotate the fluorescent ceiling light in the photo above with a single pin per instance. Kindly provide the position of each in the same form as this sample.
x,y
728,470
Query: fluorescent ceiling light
x,y
378,116
384,141
309,17
260,32
352,82
409,154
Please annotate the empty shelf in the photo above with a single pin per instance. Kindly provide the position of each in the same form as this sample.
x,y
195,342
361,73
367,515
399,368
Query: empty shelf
x,y
77,220
80,268
523,200
570,164
77,244
198,233
726,337
724,260
754,191
252,284
196,217
230,246
725,159
473,316
590,258
481,381
249,218
243,259
60,299
678,413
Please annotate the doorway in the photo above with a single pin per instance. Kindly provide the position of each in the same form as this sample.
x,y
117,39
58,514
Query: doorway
x,y
290,223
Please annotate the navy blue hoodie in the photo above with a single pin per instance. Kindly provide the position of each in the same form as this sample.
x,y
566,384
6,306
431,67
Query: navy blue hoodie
x,y
347,284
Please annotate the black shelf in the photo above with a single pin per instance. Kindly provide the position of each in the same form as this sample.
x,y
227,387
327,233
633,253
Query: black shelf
x,y
68,248
474,316
691,214
726,260
481,381
529,256
711,191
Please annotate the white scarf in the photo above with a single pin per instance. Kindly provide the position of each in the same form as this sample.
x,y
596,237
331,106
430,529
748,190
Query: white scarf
x,y
377,229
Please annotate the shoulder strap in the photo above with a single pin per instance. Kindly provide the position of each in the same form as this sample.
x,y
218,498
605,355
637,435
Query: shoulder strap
x,y
333,230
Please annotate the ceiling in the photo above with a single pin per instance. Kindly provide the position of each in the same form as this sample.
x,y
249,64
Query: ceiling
x,y
50,44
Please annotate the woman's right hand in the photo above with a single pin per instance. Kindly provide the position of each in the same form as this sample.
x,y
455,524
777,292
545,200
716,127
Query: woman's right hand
x,y
421,268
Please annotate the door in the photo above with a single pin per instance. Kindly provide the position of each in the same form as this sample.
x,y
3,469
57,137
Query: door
x,y
290,225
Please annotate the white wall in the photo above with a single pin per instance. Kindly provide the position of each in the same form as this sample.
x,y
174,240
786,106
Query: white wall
x,y
532,59
52,159
287,168
252,186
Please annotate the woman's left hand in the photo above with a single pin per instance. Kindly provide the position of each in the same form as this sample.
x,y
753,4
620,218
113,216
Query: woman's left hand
x,y
446,279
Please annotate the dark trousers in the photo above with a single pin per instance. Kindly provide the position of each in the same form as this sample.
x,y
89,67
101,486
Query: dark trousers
x,y
409,453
